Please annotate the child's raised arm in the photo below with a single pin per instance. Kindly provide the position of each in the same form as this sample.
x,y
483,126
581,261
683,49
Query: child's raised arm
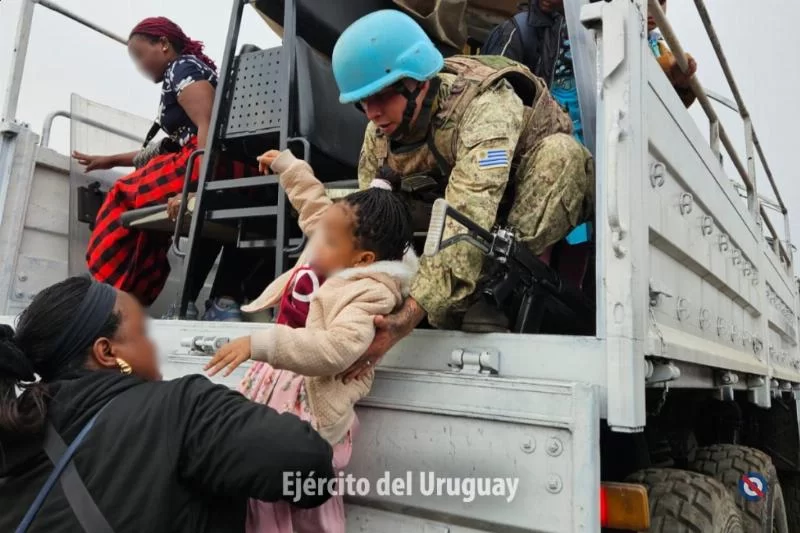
x,y
306,193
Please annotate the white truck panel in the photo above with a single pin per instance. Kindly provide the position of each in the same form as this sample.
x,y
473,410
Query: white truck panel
x,y
707,253
458,422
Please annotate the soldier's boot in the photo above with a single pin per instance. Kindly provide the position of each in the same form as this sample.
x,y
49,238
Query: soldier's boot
x,y
484,317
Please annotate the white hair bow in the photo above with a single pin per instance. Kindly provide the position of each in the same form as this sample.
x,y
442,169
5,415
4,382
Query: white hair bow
x,y
381,184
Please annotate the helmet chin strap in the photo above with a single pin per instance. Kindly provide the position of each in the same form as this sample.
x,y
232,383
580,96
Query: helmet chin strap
x,y
411,106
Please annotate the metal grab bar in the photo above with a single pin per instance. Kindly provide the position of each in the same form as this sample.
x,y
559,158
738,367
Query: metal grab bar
x,y
176,248
748,177
48,126
20,49
80,20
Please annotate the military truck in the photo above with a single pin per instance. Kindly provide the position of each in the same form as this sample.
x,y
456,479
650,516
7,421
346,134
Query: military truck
x,y
678,413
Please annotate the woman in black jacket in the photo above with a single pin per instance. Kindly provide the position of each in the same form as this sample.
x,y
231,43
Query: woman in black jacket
x,y
181,455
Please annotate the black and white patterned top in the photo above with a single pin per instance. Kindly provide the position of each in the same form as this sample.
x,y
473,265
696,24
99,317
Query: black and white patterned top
x,y
181,73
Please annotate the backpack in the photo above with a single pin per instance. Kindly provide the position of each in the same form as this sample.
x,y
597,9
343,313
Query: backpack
x,y
476,74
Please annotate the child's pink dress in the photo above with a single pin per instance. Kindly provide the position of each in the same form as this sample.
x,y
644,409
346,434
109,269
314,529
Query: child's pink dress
x,y
285,391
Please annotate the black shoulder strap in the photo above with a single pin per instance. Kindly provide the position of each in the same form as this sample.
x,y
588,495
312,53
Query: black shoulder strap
x,y
151,134
75,491
82,503
441,162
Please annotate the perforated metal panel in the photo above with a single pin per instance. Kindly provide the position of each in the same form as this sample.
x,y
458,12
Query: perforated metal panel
x,y
257,94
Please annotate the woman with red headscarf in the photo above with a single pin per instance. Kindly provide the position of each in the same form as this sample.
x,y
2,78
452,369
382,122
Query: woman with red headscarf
x,y
136,261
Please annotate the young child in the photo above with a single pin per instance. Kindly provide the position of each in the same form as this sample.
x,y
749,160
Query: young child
x,y
360,247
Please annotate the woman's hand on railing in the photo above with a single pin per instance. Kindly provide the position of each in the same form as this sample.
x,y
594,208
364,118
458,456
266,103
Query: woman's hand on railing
x,y
95,162
173,205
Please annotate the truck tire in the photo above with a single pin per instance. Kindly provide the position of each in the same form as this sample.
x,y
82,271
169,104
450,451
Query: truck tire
x,y
686,502
728,463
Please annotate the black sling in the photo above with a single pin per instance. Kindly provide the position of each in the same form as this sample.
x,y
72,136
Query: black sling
x,y
78,497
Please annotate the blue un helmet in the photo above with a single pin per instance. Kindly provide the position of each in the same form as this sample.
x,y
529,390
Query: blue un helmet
x,y
380,49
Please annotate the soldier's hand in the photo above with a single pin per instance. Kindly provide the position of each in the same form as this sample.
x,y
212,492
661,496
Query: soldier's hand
x,y
389,330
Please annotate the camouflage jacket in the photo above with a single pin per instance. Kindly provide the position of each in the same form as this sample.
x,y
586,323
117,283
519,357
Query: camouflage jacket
x,y
476,137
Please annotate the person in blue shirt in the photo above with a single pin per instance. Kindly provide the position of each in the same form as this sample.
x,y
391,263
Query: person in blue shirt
x,y
538,38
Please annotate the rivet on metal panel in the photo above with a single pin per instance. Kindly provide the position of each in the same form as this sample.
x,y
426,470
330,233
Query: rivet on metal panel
x,y
724,243
705,318
529,445
686,203
23,277
657,171
683,309
19,295
554,484
554,447
722,327
707,225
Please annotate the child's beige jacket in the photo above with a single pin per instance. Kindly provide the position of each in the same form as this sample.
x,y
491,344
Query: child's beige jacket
x,y
340,324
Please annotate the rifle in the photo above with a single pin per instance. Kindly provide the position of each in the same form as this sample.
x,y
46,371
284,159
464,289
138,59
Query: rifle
x,y
518,283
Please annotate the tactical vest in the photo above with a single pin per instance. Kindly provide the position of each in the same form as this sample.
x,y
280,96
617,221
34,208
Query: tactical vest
x,y
426,167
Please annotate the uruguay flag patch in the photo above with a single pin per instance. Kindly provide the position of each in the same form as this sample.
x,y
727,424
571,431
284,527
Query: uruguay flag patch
x,y
493,159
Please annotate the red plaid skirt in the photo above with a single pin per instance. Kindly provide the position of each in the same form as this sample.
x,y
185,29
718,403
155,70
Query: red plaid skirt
x,y
136,261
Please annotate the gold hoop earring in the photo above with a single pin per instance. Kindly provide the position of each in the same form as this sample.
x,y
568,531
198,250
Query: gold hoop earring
x,y
124,367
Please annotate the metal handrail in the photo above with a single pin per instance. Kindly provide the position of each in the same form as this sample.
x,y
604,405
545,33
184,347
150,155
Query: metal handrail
x,y
48,126
742,110
718,131
80,20
183,206
20,49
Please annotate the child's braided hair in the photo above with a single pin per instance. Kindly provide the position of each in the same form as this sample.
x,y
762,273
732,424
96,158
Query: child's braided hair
x,y
383,219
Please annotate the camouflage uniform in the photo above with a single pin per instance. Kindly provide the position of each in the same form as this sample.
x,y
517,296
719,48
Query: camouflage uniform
x,y
495,160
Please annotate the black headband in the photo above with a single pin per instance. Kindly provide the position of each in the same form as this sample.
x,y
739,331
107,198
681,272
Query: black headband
x,y
86,325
